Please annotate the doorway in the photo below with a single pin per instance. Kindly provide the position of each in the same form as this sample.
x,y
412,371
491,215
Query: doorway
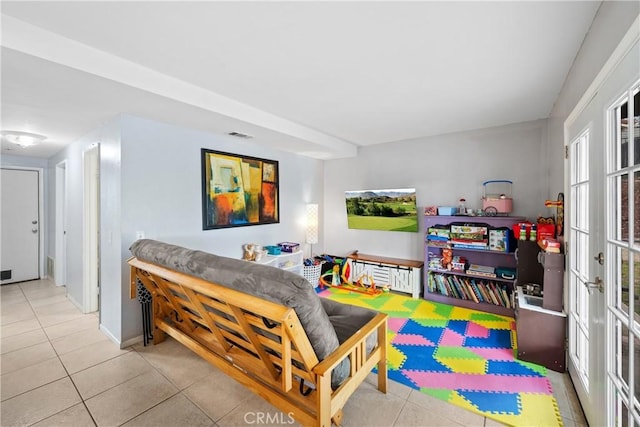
x,y
603,182
21,225
91,229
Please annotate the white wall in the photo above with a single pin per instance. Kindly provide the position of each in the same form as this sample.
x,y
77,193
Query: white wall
x,y
609,26
443,169
161,196
74,157
150,181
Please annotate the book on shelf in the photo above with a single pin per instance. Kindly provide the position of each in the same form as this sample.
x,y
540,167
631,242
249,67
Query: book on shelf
x,y
484,292
478,295
482,271
470,242
481,268
474,247
435,238
471,289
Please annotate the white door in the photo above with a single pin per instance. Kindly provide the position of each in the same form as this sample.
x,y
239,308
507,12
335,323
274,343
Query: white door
x,y
20,226
604,247
585,314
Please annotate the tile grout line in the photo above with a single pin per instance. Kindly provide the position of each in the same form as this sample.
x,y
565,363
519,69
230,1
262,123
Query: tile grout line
x,y
65,370
180,391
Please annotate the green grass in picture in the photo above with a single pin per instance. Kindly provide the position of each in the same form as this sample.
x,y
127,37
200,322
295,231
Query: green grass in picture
x,y
403,223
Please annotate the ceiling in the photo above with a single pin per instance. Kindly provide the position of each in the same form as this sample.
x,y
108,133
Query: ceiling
x,y
315,78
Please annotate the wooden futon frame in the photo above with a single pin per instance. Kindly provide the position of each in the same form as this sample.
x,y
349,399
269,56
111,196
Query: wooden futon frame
x,y
259,343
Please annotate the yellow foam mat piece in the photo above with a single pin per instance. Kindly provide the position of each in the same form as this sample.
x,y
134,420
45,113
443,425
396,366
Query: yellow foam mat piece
x,y
464,366
535,412
395,358
396,305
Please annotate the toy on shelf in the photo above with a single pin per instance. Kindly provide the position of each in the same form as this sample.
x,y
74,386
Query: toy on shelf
x,y
361,281
497,203
335,276
559,205
447,258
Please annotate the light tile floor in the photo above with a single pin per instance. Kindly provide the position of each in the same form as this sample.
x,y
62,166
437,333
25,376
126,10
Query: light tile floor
x,y
59,369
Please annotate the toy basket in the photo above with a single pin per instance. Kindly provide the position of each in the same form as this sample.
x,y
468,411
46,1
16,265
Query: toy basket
x,y
312,273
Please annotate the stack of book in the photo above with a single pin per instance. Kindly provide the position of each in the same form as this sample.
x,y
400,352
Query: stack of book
x,y
469,237
482,271
437,236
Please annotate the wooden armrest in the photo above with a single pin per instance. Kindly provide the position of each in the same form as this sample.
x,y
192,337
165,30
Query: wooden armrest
x,y
327,365
133,292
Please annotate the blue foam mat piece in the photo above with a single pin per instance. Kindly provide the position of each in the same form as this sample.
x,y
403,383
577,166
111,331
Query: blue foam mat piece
x,y
508,367
504,403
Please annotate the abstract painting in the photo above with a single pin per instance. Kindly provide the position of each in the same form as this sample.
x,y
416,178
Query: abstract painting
x,y
238,190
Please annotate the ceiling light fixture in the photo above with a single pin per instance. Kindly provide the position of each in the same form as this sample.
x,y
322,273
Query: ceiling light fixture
x,y
23,139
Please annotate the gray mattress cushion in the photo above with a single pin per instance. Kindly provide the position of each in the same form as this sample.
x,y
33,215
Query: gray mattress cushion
x,y
348,319
272,284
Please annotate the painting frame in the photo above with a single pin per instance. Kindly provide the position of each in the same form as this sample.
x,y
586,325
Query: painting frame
x,y
238,190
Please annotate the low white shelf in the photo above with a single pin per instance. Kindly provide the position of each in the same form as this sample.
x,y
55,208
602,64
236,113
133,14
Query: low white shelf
x,y
402,275
290,261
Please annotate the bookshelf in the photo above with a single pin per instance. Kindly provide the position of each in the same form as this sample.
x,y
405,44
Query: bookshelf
x,y
460,287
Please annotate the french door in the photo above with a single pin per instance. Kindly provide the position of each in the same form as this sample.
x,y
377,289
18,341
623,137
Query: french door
x,y
604,247
623,248
586,301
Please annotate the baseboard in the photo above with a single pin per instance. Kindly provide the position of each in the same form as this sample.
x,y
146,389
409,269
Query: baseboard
x,y
76,303
131,341
124,344
109,335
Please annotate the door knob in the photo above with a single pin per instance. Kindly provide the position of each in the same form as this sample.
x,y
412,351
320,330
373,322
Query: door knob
x,y
34,230
34,222
596,284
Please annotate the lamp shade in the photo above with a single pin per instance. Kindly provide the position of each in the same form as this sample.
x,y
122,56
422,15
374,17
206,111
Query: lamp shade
x,y
312,224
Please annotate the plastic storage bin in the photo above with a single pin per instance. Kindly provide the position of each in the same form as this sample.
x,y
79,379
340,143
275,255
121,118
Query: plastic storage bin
x,y
446,210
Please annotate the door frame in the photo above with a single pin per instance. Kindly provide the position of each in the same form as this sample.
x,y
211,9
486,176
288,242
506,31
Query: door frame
x,y
41,218
60,271
91,228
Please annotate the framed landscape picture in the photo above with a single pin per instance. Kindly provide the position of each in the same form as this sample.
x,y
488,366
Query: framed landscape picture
x,y
238,190
388,209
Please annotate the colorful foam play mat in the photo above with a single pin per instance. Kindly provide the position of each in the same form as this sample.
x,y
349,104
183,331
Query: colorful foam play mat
x,y
462,356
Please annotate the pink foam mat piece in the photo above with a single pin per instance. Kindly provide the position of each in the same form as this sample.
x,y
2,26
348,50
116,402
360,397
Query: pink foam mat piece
x,y
493,353
412,339
325,293
395,324
489,383
451,338
475,330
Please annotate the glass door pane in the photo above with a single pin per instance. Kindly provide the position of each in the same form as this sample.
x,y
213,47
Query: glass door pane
x,y
579,262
